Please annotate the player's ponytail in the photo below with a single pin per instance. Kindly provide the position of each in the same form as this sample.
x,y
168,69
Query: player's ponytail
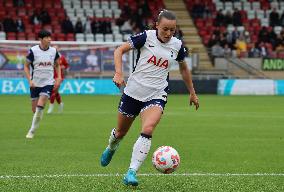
x,y
166,14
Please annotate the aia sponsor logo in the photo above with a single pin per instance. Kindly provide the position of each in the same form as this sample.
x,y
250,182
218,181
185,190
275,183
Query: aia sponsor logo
x,y
160,62
44,64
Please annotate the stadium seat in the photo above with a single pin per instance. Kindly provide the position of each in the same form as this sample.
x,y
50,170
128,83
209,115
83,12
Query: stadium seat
x,y
80,37
96,5
99,13
108,37
70,37
117,13
2,35
99,37
118,38
11,36
104,5
89,37
60,37
108,13
21,36
113,5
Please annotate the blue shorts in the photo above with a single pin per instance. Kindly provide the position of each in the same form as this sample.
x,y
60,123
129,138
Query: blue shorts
x,y
37,91
131,107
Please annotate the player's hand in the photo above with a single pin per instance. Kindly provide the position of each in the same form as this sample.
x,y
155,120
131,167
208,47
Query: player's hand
x,y
32,85
194,99
118,80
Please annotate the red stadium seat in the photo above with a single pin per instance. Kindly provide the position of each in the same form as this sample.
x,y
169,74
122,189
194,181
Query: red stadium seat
x,y
11,36
31,36
70,37
60,37
21,36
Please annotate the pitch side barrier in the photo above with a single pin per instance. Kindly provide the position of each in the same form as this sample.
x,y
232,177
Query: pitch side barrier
x,y
250,87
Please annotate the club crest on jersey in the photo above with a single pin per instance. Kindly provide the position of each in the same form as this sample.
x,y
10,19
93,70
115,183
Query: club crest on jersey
x,y
160,62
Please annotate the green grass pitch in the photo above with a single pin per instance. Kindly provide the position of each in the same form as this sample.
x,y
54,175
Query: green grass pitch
x,y
223,145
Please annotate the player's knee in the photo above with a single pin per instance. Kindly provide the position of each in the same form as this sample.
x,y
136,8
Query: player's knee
x,y
148,129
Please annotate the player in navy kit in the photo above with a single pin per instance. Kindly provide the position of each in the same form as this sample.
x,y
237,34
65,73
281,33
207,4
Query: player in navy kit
x,y
42,59
147,87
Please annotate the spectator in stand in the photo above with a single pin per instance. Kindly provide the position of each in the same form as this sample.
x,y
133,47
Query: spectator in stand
x,y
246,36
35,18
125,11
67,26
217,51
20,25
263,35
282,20
143,8
9,24
280,47
255,51
105,27
228,18
79,26
212,41
219,19
274,18
207,12
222,40
227,50
237,18
198,10
277,41
233,36
263,49
126,28
95,26
272,36
44,17
241,46
18,3
87,25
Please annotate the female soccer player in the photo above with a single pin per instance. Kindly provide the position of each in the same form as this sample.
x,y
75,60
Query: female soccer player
x,y
41,58
55,95
147,87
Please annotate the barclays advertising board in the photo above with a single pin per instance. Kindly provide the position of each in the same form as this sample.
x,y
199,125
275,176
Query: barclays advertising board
x,y
20,86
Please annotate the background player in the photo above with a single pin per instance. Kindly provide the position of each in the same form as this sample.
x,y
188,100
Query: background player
x,y
147,87
42,59
55,92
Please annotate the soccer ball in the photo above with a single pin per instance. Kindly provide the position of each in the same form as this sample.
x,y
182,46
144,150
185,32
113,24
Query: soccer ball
x,y
166,159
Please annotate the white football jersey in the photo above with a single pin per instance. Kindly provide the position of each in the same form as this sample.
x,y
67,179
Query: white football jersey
x,y
150,76
42,64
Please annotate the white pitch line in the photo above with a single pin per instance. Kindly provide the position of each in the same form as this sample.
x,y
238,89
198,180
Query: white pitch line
x,y
142,174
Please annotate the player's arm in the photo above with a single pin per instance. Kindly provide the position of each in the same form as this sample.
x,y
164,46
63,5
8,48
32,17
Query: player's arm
x,y
28,73
58,71
134,42
118,78
64,63
186,76
29,60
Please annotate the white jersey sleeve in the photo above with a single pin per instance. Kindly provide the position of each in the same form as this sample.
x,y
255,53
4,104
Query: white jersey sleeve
x,y
150,76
